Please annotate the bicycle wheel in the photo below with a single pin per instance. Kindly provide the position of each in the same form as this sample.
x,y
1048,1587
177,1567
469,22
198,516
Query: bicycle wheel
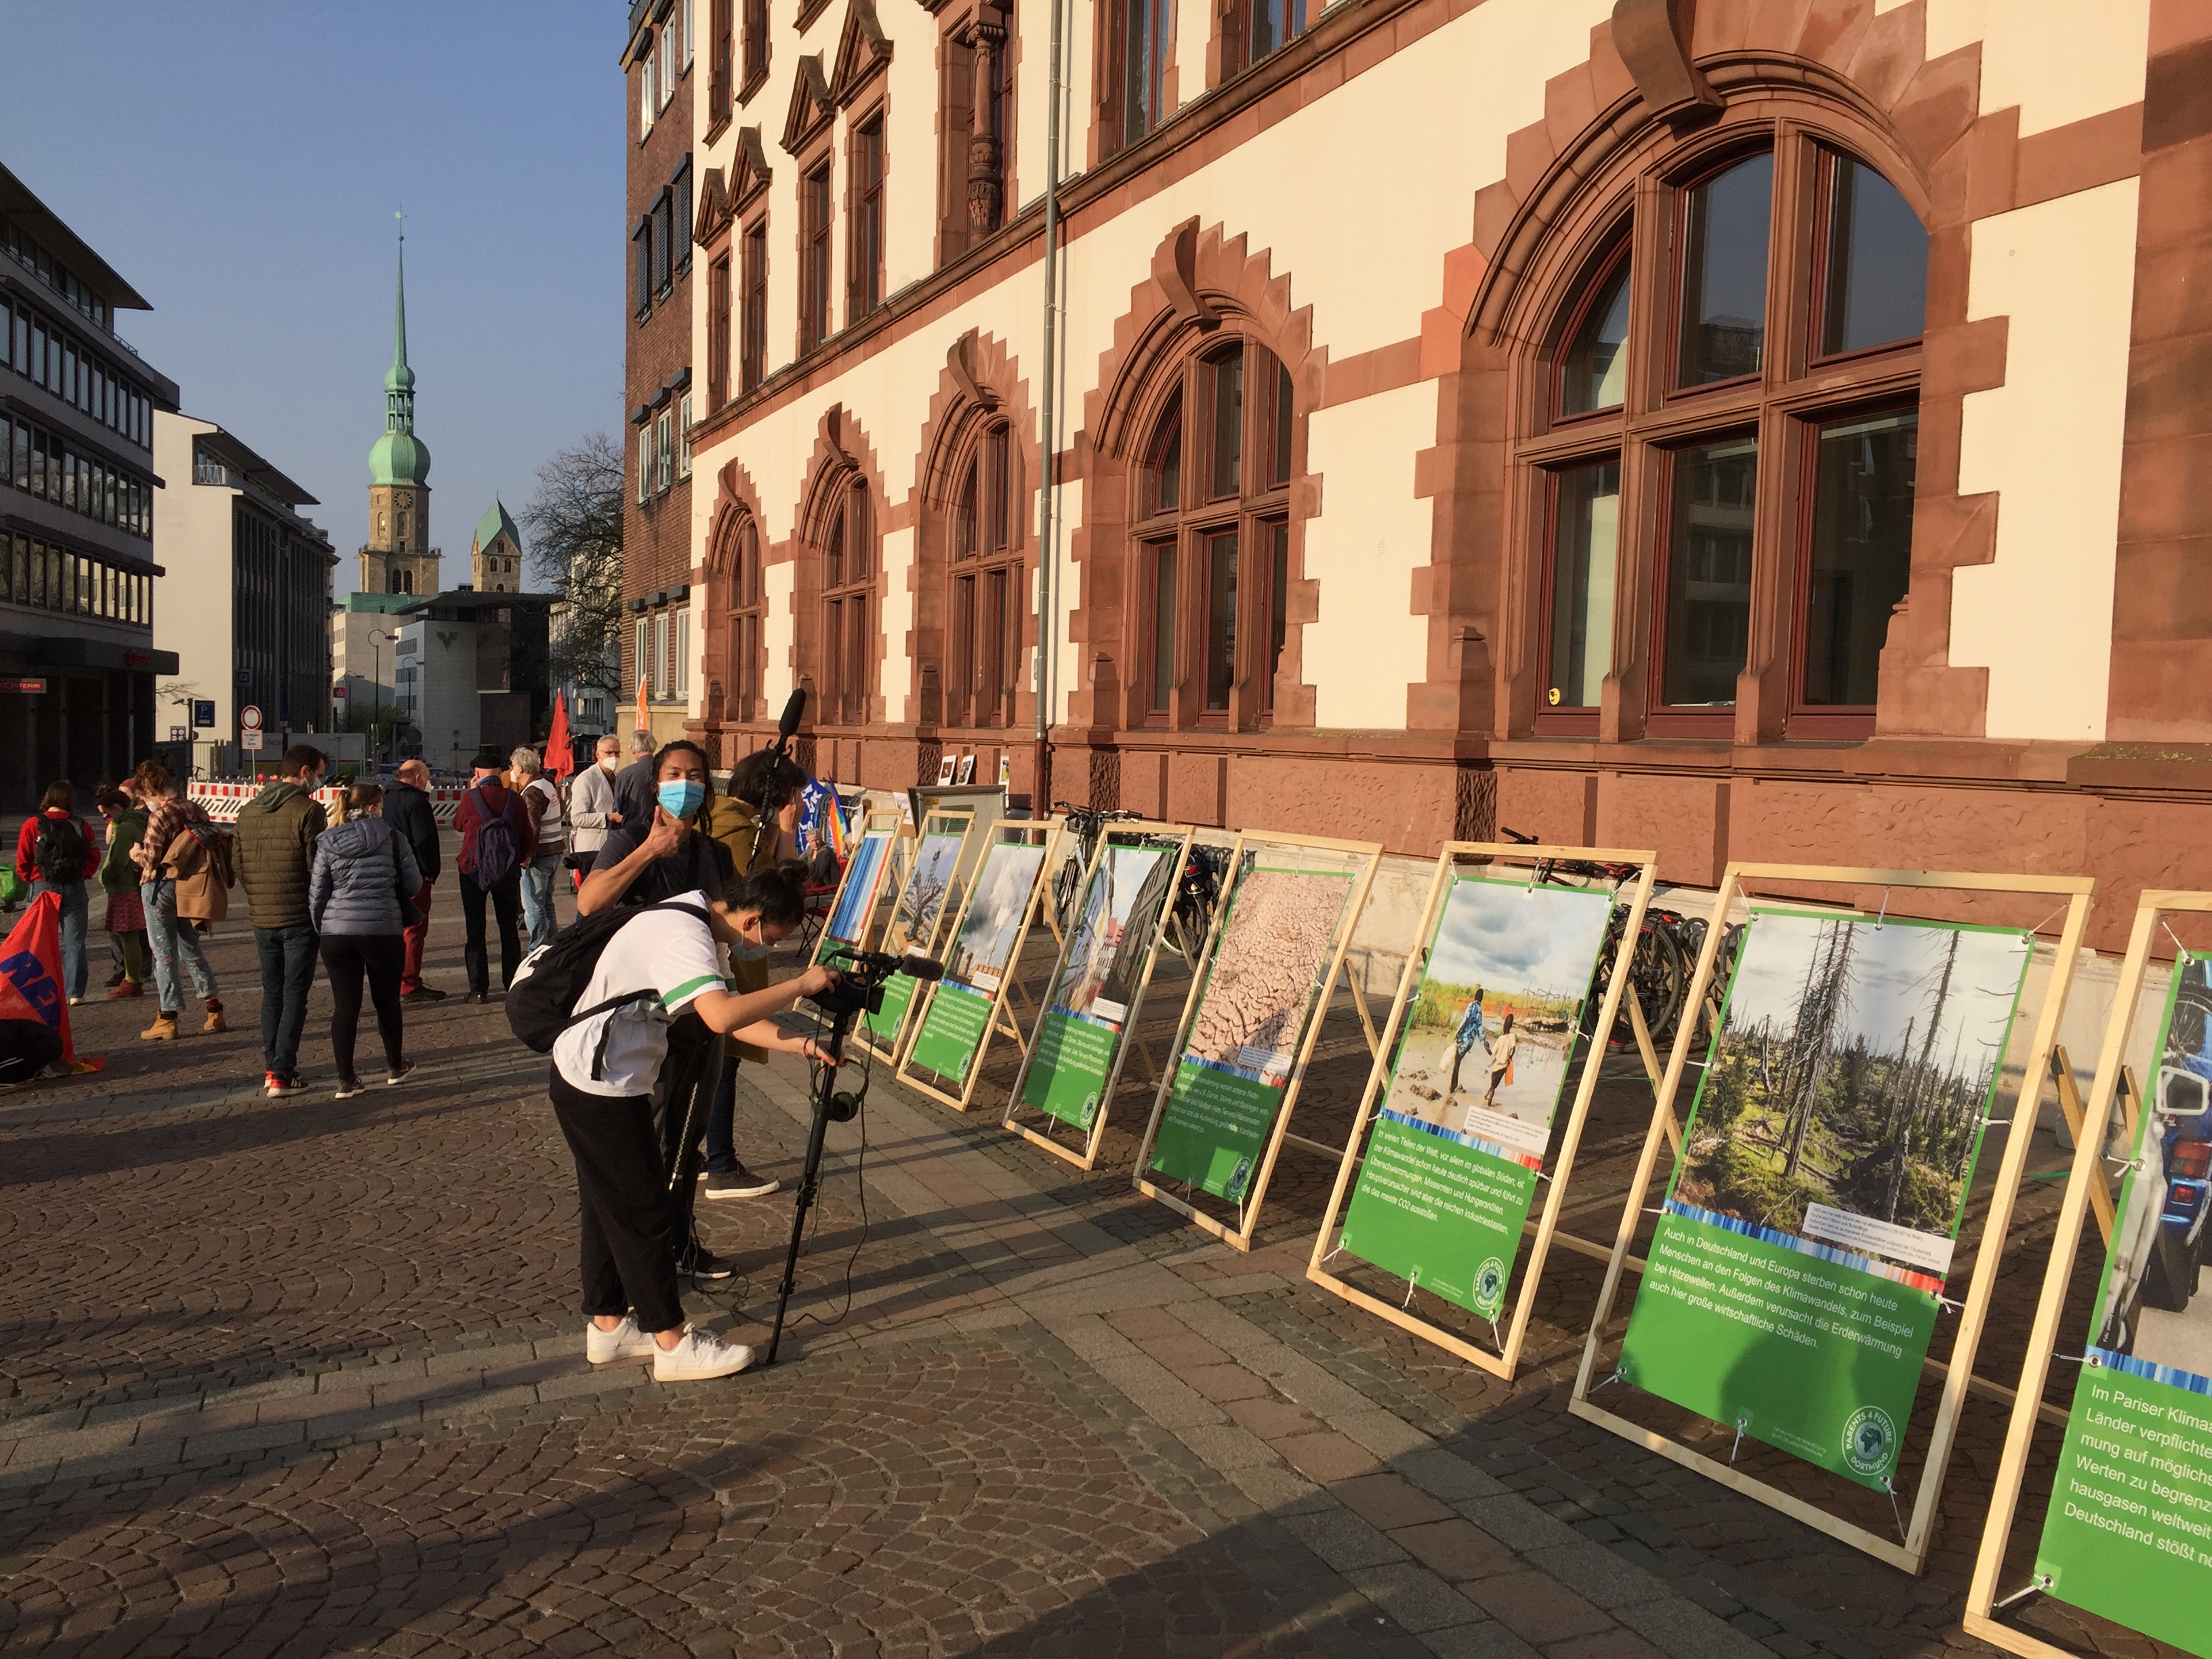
x,y
1659,978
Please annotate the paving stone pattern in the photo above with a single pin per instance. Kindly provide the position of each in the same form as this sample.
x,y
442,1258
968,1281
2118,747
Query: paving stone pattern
x,y
303,1377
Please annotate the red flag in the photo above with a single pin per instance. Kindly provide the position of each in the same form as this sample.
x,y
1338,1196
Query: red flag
x,y
31,970
560,753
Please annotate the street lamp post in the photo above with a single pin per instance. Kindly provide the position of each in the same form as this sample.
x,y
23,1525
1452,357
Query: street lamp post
x,y
376,635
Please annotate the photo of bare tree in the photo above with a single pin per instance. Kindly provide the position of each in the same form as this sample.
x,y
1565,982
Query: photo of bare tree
x,y
1120,910
1845,1098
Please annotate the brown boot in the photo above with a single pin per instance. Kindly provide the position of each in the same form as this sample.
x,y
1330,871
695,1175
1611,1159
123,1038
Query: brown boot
x,y
163,1029
215,1019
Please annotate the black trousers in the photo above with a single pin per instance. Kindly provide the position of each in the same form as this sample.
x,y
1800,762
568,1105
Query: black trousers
x,y
622,1255
27,1046
347,957
506,906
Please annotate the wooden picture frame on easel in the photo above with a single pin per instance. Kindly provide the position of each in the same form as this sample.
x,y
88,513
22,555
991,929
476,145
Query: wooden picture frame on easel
x,y
1910,1555
1627,921
1174,842
880,863
1007,832
898,940
1364,857
2088,1190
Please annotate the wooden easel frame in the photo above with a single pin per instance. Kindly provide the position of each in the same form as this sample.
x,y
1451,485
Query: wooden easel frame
x,y
1363,877
2084,1180
1639,897
1912,1555
868,920
1125,1039
965,817
1007,832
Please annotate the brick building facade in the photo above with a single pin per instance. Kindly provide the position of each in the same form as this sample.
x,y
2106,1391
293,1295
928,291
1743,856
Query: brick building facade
x,y
1767,431
658,646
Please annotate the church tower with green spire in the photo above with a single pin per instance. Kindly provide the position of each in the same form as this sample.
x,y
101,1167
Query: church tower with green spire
x,y
399,558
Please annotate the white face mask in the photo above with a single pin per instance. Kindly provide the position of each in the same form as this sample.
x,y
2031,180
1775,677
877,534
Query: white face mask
x,y
609,760
745,949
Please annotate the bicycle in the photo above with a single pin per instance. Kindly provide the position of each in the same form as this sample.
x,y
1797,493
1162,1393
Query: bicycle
x,y
1658,968
1198,894
1068,882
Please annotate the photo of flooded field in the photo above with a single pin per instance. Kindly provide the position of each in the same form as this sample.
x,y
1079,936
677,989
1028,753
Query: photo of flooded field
x,y
1487,1044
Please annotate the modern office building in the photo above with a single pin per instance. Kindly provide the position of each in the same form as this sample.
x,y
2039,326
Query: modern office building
x,y
472,670
243,603
364,635
77,537
657,530
1775,432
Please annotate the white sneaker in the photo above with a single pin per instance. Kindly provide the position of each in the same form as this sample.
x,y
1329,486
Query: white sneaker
x,y
701,1354
625,1342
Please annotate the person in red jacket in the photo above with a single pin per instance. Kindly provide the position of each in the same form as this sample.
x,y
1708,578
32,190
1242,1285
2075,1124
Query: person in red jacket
x,y
57,853
497,840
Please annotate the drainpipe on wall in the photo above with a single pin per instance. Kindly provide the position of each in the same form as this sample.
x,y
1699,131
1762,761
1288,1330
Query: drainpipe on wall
x,y
1048,493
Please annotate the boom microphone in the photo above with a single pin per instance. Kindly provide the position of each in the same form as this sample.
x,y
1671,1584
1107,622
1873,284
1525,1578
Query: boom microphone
x,y
792,711
878,961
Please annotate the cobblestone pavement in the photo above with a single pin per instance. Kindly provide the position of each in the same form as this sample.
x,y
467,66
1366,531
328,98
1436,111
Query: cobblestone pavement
x,y
303,1377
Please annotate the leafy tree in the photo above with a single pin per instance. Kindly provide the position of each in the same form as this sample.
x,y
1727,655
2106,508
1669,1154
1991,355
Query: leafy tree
x,y
575,525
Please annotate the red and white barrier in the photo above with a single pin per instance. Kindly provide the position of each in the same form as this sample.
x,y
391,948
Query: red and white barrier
x,y
225,801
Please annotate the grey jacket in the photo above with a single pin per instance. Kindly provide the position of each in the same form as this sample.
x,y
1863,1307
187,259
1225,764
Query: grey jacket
x,y
363,870
591,798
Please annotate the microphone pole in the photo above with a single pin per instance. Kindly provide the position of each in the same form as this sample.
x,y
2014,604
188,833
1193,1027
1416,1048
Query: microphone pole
x,y
765,814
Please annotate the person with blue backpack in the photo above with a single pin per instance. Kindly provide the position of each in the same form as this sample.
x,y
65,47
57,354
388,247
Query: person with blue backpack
x,y
497,840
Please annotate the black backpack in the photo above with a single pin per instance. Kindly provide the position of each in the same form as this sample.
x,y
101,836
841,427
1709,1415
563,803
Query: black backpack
x,y
498,848
57,853
541,1003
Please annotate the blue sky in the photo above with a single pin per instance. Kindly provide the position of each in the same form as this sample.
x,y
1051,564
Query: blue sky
x,y
240,164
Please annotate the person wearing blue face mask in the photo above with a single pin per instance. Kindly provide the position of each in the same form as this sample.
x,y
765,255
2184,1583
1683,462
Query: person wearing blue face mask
x,y
644,864
647,864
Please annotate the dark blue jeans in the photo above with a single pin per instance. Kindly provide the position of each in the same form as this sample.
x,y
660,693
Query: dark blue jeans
x,y
287,968
721,1121
75,908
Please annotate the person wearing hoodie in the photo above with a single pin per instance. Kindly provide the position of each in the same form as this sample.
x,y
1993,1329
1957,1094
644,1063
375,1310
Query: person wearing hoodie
x,y
361,895
277,833
407,809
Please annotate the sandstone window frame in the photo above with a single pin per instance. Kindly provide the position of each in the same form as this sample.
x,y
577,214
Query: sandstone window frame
x,y
718,333
987,598
868,174
1211,551
1636,212
817,227
848,604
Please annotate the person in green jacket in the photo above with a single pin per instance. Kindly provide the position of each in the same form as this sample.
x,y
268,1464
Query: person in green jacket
x,y
277,833
118,879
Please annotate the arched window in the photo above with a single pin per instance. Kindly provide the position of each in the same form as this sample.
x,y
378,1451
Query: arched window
x,y
746,614
989,600
1211,528
1725,444
848,589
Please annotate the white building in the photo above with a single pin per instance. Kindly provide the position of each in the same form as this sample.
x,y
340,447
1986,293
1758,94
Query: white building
x,y
244,598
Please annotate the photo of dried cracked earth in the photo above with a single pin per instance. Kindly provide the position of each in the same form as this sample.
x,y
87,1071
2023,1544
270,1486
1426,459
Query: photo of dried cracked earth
x,y
1281,929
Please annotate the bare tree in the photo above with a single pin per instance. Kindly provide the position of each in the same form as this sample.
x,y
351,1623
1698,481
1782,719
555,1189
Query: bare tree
x,y
575,526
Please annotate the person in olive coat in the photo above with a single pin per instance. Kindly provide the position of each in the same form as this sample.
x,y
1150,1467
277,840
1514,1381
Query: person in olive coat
x,y
277,832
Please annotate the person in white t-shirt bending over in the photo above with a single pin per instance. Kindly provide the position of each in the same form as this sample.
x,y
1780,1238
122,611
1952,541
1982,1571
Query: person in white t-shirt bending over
x,y
669,965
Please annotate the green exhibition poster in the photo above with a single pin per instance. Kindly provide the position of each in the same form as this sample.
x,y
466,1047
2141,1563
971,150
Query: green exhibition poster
x,y
2129,1532
1099,976
1800,1257
951,1031
1230,1081
884,1024
1485,1056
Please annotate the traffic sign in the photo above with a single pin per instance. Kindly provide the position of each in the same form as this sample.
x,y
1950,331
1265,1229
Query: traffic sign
x,y
34,687
250,718
251,737
177,734
204,712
